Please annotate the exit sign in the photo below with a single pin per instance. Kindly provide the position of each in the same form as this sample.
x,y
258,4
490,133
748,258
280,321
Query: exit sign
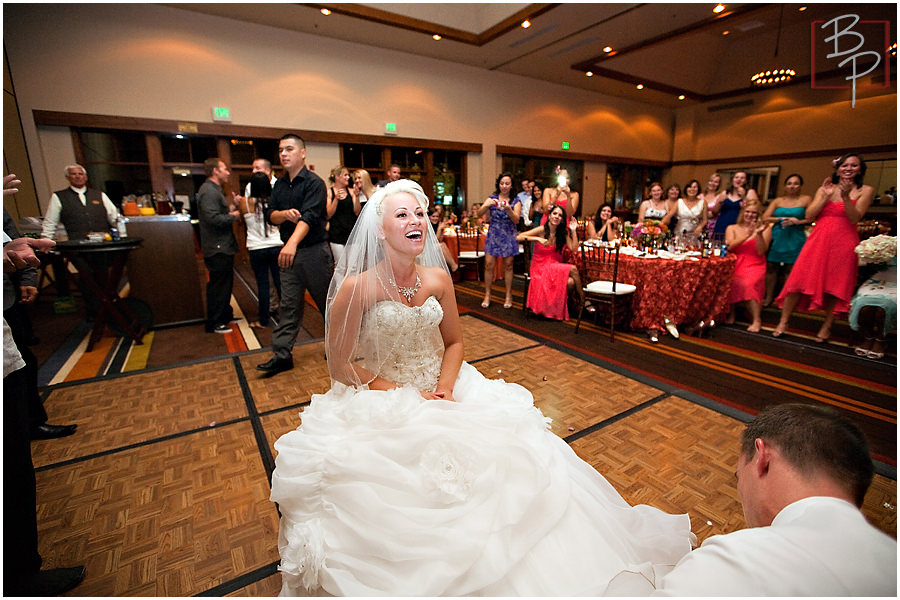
x,y
221,113
390,129
565,145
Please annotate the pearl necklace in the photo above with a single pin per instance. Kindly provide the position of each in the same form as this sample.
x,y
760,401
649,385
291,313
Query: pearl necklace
x,y
407,292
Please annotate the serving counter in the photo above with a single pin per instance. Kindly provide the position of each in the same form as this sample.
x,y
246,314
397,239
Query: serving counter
x,y
165,273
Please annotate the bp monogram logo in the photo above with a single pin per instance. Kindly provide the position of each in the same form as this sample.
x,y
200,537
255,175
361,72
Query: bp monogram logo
x,y
850,48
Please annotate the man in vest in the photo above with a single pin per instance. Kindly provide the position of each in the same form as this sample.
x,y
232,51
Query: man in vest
x,y
81,210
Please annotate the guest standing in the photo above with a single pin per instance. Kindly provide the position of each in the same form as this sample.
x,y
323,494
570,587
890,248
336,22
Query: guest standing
x,y
525,198
218,244
504,211
711,197
343,207
729,208
604,226
298,208
653,207
537,195
263,243
261,165
825,272
561,195
393,174
552,279
749,239
690,212
363,184
788,213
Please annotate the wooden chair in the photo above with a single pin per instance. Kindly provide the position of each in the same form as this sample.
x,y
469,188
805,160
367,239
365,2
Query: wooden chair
x,y
470,237
605,289
527,250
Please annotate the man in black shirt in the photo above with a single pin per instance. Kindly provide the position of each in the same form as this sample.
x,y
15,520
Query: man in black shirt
x,y
297,206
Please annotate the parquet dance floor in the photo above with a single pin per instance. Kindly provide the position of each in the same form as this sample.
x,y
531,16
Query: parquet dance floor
x,y
164,489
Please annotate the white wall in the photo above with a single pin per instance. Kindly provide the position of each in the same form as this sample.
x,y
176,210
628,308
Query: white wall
x,y
153,61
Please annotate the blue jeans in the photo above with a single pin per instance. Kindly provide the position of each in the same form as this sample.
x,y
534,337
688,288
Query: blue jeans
x,y
263,262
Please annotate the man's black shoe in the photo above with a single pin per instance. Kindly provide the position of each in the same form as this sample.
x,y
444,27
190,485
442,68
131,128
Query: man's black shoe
x,y
48,432
273,366
50,582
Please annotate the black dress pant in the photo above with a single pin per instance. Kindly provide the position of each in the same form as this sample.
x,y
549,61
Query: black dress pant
x,y
17,319
218,289
21,559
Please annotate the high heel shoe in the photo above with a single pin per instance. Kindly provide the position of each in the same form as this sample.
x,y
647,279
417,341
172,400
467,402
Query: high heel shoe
x,y
485,303
863,350
876,355
821,339
507,304
671,328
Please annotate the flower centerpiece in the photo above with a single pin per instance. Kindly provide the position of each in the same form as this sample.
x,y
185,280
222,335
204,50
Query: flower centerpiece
x,y
878,250
649,232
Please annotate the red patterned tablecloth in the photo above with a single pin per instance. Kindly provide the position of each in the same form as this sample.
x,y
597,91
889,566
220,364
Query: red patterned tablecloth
x,y
685,291
469,244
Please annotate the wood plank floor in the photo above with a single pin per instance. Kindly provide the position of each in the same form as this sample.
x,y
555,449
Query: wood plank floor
x,y
164,489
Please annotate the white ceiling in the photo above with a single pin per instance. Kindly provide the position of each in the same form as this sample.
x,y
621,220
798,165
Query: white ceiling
x,y
672,48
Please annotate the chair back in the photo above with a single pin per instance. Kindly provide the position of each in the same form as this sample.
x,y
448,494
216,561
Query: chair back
x,y
469,240
599,264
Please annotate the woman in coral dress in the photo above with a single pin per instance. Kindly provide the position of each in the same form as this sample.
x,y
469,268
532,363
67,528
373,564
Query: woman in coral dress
x,y
552,279
824,276
414,475
749,240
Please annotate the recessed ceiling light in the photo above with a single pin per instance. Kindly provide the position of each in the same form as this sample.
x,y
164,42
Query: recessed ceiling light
x,y
681,97
640,86
436,37
802,8
589,73
719,8
325,12
608,49
726,32
526,24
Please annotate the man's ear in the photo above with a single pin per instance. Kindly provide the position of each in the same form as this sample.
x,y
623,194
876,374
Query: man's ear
x,y
763,457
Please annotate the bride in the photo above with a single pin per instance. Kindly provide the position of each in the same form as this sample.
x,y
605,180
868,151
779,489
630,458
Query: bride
x,y
416,476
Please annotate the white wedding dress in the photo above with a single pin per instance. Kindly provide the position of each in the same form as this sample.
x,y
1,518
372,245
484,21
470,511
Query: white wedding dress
x,y
385,493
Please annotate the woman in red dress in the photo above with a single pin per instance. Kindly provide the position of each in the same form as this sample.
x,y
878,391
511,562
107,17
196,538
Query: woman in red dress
x,y
749,240
552,279
824,275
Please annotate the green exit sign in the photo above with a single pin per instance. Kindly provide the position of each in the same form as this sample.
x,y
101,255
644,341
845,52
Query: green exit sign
x,y
221,113
390,129
565,145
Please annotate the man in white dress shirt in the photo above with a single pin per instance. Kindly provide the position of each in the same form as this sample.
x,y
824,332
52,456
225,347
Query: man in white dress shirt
x,y
802,474
261,165
81,210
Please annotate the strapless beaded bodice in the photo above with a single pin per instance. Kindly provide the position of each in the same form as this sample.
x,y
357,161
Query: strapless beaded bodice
x,y
406,341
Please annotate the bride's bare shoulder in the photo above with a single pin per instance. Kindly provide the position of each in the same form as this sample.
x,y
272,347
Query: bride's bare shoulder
x,y
434,276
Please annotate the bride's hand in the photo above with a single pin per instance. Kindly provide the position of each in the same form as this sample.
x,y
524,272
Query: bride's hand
x,y
438,396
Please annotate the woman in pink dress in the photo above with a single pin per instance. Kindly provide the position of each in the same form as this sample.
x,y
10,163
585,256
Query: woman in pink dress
x,y
552,279
749,240
824,276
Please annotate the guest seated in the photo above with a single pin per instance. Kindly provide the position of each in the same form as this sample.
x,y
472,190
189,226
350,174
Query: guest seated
x,y
552,279
604,226
788,214
873,312
439,223
802,474
749,240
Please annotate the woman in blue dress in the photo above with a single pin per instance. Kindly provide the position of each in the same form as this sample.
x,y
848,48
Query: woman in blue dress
x,y
505,210
788,214
729,209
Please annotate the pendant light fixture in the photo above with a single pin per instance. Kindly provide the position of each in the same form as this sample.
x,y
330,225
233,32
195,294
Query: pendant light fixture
x,y
778,74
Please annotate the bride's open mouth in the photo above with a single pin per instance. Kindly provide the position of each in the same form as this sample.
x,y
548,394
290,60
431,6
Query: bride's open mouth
x,y
414,235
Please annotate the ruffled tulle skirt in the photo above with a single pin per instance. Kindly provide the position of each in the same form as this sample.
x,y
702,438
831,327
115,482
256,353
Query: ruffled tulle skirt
x,y
384,493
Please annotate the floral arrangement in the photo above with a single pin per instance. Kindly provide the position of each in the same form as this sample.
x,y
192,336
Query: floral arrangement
x,y
880,249
649,231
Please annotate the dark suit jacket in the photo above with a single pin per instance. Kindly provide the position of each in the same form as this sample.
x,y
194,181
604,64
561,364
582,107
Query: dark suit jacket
x,y
216,235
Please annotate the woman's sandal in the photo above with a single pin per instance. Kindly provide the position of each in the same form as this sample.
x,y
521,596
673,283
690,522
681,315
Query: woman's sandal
x,y
821,339
876,355
485,303
507,304
864,349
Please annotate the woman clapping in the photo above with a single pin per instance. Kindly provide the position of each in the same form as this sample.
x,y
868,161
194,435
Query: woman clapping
x,y
749,240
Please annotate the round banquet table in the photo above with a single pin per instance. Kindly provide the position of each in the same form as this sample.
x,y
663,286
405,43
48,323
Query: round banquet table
x,y
685,291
